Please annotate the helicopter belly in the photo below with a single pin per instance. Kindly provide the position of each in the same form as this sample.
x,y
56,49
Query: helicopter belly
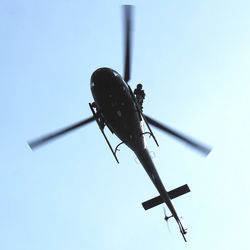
x,y
116,106
122,117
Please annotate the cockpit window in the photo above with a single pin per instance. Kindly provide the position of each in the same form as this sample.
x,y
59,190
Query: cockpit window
x,y
115,73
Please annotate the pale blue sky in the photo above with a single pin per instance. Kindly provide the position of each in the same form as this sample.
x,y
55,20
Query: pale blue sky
x,y
193,59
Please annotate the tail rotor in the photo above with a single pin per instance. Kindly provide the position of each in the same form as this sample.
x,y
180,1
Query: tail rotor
x,y
166,218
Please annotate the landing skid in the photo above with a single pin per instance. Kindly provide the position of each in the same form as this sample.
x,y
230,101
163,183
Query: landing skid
x,y
141,114
101,127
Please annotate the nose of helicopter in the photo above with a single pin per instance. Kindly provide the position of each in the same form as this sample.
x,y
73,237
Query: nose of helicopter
x,y
102,78
105,82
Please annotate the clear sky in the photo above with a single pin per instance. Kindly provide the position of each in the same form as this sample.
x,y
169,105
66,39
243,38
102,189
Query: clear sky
x,y
193,59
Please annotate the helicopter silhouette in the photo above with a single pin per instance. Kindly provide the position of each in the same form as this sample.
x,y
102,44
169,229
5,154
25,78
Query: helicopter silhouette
x,y
119,109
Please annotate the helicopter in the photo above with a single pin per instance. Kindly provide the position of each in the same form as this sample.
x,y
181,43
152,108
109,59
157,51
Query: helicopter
x,y
120,109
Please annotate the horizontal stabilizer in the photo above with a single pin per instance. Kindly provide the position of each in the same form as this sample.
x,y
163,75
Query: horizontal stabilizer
x,y
172,194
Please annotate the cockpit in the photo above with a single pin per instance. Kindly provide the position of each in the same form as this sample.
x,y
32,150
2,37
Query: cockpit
x,y
104,75
106,80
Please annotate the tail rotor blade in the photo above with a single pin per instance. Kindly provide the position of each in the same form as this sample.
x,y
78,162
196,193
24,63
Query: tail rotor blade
x,y
166,218
191,142
128,25
40,141
165,214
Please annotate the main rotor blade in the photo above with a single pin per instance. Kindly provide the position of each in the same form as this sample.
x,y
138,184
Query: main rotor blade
x,y
196,145
127,10
38,142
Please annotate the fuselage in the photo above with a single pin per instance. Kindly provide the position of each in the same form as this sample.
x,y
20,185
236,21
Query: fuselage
x,y
116,106
118,109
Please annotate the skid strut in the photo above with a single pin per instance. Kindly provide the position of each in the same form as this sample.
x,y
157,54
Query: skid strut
x,y
101,127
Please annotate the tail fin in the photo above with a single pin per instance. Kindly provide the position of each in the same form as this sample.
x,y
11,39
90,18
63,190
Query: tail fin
x,y
172,194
